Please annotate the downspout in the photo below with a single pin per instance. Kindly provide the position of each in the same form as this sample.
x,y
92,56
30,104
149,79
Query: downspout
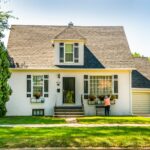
x,y
130,93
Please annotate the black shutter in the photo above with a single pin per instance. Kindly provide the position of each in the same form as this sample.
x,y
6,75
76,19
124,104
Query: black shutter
x,y
46,86
76,52
116,84
61,52
86,87
28,86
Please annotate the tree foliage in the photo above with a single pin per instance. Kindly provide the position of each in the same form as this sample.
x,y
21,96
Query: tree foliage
x,y
5,90
135,54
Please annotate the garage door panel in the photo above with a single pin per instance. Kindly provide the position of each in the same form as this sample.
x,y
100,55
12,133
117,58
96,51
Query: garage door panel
x,y
141,103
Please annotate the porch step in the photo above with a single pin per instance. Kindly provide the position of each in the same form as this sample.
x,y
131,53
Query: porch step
x,y
68,116
68,111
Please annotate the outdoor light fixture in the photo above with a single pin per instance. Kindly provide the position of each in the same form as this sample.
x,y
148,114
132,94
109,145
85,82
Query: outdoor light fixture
x,y
58,75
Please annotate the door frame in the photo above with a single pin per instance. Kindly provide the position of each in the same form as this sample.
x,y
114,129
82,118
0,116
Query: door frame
x,y
63,90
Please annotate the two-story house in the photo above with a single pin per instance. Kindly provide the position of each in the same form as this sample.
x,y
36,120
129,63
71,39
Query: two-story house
x,y
56,68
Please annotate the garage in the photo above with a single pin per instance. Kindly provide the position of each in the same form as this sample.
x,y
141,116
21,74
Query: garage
x,y
141,103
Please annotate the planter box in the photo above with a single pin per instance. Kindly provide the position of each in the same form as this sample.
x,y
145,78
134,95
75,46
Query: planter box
x,y
91,102
39,100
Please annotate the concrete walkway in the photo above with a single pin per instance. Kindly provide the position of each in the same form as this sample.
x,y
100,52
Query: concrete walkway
x,y
74,125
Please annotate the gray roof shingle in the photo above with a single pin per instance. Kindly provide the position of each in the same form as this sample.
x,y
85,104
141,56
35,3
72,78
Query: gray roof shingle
x,y
141,76
106,47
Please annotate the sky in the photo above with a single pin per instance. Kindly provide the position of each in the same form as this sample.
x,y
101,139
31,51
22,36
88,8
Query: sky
x,y
134,15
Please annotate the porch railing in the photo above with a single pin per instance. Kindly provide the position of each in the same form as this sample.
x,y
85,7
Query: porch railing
x,y
82,103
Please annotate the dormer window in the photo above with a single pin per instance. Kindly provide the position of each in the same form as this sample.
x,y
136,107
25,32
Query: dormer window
x,y
69,53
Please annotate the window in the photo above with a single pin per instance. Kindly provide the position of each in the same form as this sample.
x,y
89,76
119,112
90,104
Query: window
x,y
101,85
69,52
37,112
37,84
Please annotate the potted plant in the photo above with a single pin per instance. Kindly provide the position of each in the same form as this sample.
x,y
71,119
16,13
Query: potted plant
x,y
101,98
112,99
91,99
37,95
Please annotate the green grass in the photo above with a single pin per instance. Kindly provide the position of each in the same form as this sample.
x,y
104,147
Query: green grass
x,y
113,120
31,120
20,137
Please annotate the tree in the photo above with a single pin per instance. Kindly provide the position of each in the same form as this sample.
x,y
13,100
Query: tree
x,y
5,90
135,54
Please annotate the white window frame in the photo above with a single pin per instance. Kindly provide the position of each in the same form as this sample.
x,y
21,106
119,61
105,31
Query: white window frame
x,y
73,61
112,85
33,85
68,53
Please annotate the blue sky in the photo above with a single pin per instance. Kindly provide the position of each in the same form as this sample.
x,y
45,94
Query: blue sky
x,y
134,15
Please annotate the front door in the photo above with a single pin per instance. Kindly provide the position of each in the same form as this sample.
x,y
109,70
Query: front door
x,y
68,90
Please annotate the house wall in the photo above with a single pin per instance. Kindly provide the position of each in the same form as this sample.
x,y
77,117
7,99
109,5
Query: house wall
x,y
19,104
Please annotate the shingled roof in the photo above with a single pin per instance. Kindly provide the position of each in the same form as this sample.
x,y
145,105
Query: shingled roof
x,y
141,76
106,47
69,33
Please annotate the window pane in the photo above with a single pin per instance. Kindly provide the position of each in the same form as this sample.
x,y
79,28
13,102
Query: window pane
x,y
46,76
38,89
68,48
69,57
76,60
38,80
100,85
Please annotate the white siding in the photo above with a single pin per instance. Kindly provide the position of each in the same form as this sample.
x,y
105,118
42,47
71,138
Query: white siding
x,y
19,104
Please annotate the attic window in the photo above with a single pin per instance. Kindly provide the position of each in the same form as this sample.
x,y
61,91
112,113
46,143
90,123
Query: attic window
x,y
69,53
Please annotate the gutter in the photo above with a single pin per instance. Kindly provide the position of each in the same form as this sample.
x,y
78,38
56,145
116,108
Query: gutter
x,y
68,69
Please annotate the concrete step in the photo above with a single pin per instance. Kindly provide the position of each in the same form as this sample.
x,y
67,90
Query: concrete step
x,y
68,107
68,110
68,116
69,113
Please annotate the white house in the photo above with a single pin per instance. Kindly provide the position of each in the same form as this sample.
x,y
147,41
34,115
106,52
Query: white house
x,y
56,68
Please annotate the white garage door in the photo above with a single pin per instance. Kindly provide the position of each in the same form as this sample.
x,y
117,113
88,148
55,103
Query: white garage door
x,y
141,103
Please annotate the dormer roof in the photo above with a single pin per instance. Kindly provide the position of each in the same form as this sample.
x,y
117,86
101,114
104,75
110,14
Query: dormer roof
x,y
69,33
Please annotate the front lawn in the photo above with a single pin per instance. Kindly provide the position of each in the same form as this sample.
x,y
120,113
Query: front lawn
x,y
31,120
20,137
113,120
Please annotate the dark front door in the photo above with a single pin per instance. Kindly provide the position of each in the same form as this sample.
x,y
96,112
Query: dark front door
x,y
68,90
